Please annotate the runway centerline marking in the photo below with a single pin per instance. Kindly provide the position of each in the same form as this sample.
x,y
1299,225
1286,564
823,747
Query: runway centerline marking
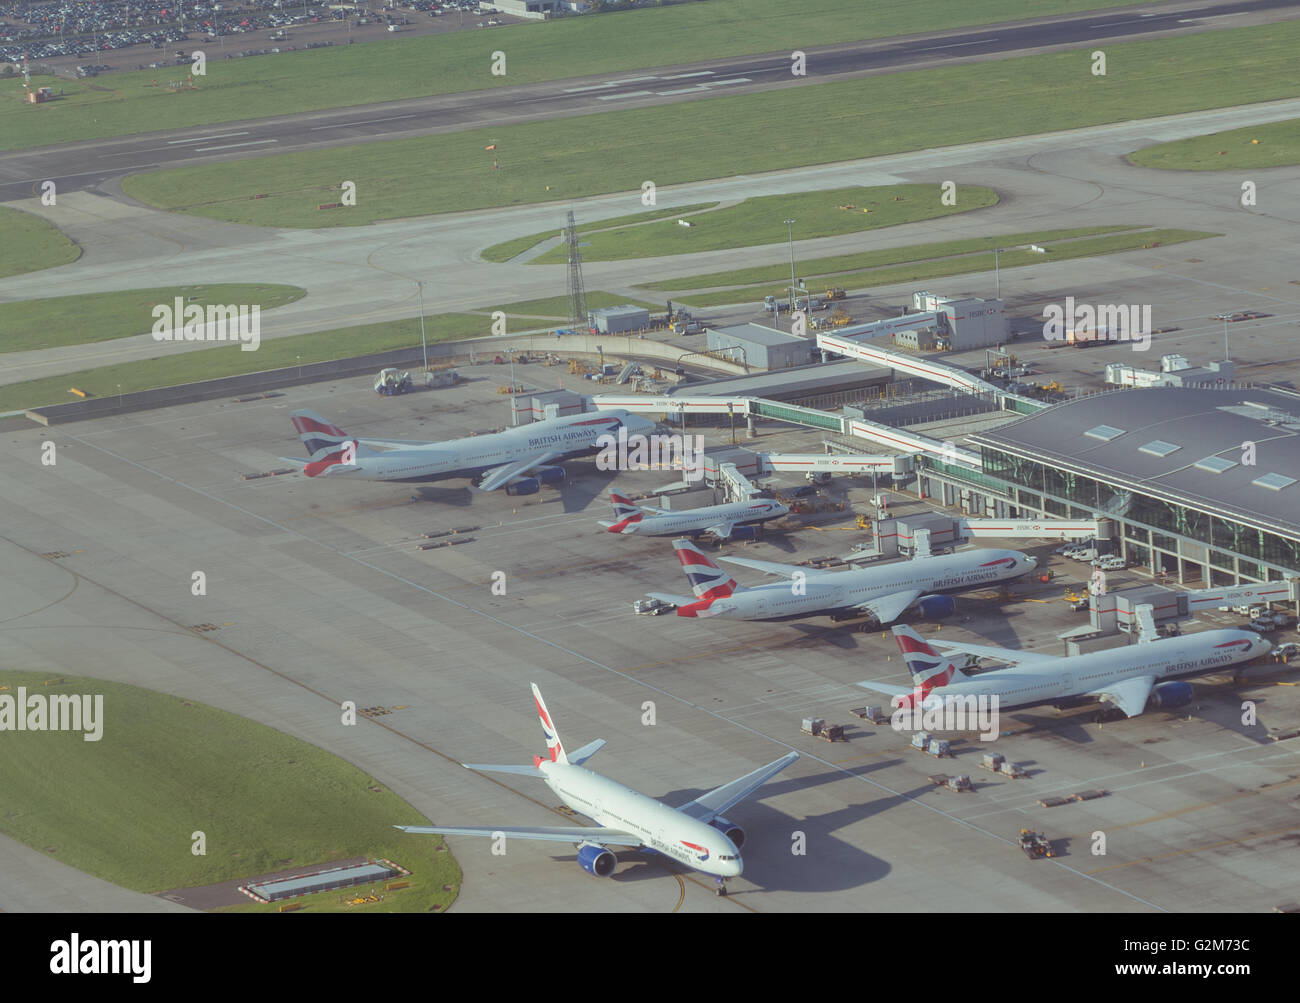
x,y
205,139
231,146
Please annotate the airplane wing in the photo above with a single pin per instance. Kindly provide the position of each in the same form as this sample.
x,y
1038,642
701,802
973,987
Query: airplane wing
x,y
499,476
1008,655
773,568
1129,695
721,530
709,806
889,608
556,834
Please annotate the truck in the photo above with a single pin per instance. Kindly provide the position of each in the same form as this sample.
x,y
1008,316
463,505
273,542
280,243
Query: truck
x,y
1035,844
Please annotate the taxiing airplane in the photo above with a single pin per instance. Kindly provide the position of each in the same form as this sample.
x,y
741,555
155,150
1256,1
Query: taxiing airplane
x,y
719,520
1129,678
694,833
884,591
520,459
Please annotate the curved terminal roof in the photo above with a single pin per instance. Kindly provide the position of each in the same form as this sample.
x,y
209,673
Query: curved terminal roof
x,y
1189,446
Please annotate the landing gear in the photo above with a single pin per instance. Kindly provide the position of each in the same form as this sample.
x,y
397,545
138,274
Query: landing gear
x,y
721,889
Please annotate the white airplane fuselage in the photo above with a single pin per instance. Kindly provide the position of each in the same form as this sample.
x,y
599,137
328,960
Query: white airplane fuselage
x,y
660,828
1050,682
697,520
574,435
824,592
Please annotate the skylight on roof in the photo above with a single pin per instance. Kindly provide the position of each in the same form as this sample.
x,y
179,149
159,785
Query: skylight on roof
x,y
1104,432
1215,464
1274,482
1158,447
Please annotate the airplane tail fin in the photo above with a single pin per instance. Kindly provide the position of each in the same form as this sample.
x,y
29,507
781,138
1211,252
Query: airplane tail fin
x,y
317,433
707,579
554,746
930,670
626,514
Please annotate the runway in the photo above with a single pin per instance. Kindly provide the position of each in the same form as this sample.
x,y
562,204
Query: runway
x,y
89,165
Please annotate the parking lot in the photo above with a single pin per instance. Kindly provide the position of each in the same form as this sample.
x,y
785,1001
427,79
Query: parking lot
x,y
126,36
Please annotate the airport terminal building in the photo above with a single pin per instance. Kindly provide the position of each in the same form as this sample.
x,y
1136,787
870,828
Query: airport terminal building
x,y
1201,484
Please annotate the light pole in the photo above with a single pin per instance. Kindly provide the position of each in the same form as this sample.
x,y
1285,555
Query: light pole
x,y
789,226
424,346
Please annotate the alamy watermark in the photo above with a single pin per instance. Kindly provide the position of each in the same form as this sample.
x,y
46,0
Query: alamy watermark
x,y
179,322
948,712
53,712
652,452
1105,322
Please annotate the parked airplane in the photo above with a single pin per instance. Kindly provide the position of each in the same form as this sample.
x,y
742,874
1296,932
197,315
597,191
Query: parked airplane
x,y
1127,677
520,459
884,591
716,519
694,833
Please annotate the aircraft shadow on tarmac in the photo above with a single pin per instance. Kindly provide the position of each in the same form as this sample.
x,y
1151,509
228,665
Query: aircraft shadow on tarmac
x,y
461,497
579,492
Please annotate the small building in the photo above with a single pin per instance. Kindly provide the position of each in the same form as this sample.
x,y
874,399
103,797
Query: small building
x,y
759,346
617,319
972,322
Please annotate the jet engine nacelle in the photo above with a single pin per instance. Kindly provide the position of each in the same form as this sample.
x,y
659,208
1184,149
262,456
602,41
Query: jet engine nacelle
x,y
1168,695
524,486
549,475
729,829
595,859
936,607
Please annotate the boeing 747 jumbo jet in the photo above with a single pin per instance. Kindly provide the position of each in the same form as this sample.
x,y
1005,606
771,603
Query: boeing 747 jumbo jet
x,y
719,520
520,459
1129,678
695,833
884,592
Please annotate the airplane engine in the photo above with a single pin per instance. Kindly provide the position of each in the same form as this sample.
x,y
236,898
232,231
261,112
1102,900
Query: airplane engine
x,y
936,607
595,859
524,486
550,475
729,829
1169,695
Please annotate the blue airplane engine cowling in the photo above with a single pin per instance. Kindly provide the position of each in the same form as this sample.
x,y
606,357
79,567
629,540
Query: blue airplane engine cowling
x,y
740,533
550,475
729,829
524,486
596,860
936,607
1175,694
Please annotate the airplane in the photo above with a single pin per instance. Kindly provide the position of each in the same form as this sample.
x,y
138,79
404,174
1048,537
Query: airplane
x,y
695,833
716,519
520,459
884,592
1129,678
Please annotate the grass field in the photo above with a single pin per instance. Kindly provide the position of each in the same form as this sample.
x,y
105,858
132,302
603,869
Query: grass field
x,y
1258,146
171,369
407,67
758,221
923,270
862,260
124,808
92,317
499,253
30,243
730,136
